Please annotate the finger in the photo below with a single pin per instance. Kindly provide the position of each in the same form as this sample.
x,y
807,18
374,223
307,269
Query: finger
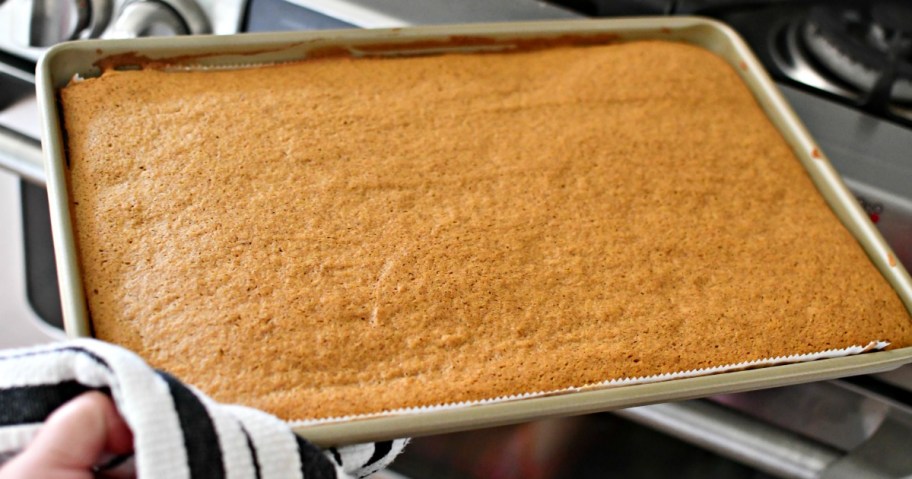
x,y
119,437
74,437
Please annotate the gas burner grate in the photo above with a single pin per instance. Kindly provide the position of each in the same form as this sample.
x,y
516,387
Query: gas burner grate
x,y
861,52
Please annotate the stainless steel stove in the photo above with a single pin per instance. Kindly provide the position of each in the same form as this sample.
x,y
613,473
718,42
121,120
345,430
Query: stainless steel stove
x,y
845,67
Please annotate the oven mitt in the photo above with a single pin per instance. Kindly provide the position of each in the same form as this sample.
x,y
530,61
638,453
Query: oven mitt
x,y
178,432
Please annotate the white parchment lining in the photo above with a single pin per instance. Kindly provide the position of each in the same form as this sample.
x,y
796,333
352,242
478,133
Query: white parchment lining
x,y
757,363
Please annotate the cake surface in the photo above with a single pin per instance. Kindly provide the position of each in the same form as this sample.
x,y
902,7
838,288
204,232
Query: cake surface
x,y
346,236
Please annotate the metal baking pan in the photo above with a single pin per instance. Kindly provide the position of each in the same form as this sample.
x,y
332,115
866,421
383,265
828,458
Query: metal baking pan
x,y
62,62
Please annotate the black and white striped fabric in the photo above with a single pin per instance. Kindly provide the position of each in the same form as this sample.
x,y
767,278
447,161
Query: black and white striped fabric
x,y
178,432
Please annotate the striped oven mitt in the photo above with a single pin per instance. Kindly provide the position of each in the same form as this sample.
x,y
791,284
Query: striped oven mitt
x,y
178,432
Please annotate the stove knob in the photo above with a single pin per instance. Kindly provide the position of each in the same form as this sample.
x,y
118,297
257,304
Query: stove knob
x,y
55,21
146,18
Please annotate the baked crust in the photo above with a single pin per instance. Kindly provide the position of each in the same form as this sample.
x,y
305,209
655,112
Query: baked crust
x,y
345,236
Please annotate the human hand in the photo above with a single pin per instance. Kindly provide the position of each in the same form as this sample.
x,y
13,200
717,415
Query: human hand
x,y
80,438
75,438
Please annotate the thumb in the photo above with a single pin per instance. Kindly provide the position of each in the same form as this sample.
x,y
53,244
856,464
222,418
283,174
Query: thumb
x,y
72,440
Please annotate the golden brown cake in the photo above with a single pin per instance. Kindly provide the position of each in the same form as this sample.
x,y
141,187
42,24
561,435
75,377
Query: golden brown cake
x,y
343,236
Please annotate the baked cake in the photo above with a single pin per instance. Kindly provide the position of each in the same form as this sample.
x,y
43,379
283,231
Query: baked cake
x,y
344,236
